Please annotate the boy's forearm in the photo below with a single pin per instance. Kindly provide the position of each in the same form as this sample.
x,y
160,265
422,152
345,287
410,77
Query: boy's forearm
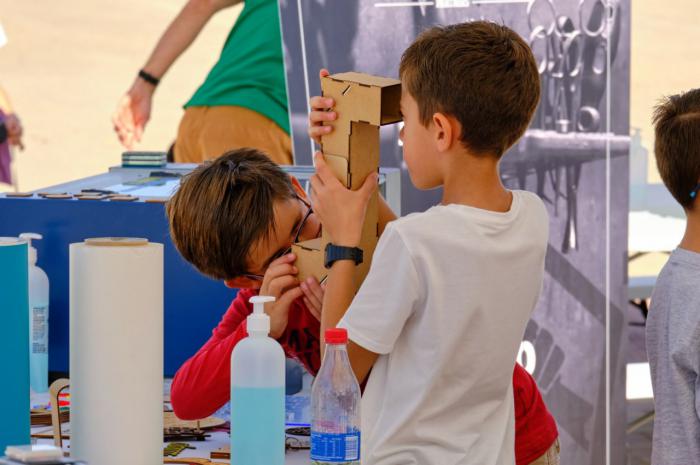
x,y
338,296
337,300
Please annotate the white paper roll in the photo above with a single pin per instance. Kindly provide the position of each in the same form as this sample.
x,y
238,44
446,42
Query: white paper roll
x,y
116,352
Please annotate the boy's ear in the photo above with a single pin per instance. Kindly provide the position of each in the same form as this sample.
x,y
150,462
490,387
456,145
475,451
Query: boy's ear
x,y
446,130
297,187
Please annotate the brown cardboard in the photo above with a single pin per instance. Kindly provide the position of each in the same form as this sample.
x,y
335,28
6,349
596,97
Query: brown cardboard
x,y
309,259
363,103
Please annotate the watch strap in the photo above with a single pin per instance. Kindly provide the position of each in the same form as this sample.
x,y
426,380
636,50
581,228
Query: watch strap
x,y
333,253
149,78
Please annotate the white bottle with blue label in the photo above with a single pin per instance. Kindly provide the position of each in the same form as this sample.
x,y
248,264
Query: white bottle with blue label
x,y
335,406
38,320
257,393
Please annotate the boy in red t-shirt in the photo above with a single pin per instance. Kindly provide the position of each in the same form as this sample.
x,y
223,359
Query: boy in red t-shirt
x,y
234,219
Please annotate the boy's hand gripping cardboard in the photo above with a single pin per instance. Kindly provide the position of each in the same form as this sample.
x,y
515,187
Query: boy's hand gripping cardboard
x,y
363,103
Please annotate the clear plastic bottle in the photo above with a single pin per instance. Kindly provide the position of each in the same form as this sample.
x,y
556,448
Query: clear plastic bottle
x,y
38,320
257,393
335,406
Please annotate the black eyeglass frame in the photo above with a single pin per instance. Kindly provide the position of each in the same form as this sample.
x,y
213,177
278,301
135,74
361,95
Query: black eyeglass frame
x,y
283,252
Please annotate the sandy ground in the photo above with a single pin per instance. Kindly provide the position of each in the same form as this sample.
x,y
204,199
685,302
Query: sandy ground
x,y
67,63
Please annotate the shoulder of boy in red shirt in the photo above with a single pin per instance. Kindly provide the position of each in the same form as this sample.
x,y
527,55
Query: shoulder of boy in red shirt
x,y
202,384
535,428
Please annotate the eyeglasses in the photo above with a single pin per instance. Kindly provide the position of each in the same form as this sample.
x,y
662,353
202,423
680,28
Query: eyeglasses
x,y
283,252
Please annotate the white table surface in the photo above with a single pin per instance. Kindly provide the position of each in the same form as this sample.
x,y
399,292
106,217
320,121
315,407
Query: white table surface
x,y
217,440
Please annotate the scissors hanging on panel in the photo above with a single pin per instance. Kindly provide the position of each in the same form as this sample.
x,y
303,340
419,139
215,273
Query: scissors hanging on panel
x,y
571,56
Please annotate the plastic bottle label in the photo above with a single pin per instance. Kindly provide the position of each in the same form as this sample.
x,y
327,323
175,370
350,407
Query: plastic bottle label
x,y
335,448
39,329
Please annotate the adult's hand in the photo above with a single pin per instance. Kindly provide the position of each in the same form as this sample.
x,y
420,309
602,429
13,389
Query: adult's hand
x,y
133,112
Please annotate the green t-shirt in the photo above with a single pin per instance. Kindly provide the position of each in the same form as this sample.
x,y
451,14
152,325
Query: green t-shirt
x,y
250,70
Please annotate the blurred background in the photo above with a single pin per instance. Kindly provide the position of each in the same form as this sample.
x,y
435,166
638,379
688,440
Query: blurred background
x,y
67,63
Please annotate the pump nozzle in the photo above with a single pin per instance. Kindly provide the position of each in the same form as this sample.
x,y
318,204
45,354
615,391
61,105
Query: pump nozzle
x,y
32,251
259,321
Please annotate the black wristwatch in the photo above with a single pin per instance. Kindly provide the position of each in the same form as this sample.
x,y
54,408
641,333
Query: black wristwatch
x,y
338,252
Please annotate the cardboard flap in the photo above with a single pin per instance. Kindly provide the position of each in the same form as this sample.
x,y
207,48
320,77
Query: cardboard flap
x,y
366,79
391,105
353,102
309,260
339,166
363,152
310,245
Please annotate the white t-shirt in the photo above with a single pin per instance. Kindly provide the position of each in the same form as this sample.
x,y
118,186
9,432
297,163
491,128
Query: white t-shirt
x,y
445,303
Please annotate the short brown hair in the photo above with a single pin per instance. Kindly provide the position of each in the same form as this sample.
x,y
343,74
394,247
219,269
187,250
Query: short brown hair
x,y
480,72
677,145
223,208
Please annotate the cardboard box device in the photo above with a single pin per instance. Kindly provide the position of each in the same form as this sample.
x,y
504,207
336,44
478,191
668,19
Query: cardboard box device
x,y
363,103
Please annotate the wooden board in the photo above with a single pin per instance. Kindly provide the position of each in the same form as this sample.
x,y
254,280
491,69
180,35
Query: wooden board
x,y
171,421
42,417
191,461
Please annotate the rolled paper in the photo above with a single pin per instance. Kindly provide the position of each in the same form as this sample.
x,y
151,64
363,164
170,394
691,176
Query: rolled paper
x,y
14,343
116,351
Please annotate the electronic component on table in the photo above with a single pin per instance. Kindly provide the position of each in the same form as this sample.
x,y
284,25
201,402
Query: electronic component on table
x,y
174,449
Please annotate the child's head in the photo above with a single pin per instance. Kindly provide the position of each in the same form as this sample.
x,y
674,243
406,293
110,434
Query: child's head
x,y
677,146
232,216
481,74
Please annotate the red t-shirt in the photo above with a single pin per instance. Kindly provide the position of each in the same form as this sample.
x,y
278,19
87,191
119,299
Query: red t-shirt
x,y
535,428
202,384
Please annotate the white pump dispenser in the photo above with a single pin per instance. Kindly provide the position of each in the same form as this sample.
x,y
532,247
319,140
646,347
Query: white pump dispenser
x,y
32,251
257,393
38,320
259,322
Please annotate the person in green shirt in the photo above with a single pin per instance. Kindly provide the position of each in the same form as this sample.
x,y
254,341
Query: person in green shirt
x,y
243,100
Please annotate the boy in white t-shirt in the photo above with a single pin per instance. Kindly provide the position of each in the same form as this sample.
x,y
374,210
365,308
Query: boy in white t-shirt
x,y
443,310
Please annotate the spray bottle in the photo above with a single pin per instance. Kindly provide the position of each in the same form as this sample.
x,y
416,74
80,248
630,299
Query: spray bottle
x,y
38,320
257,393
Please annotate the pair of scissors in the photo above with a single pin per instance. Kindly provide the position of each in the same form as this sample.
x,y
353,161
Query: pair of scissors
x,y
601,28
558,45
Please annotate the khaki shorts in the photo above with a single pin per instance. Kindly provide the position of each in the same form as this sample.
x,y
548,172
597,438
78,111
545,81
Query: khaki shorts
x,y
551,457
209,132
